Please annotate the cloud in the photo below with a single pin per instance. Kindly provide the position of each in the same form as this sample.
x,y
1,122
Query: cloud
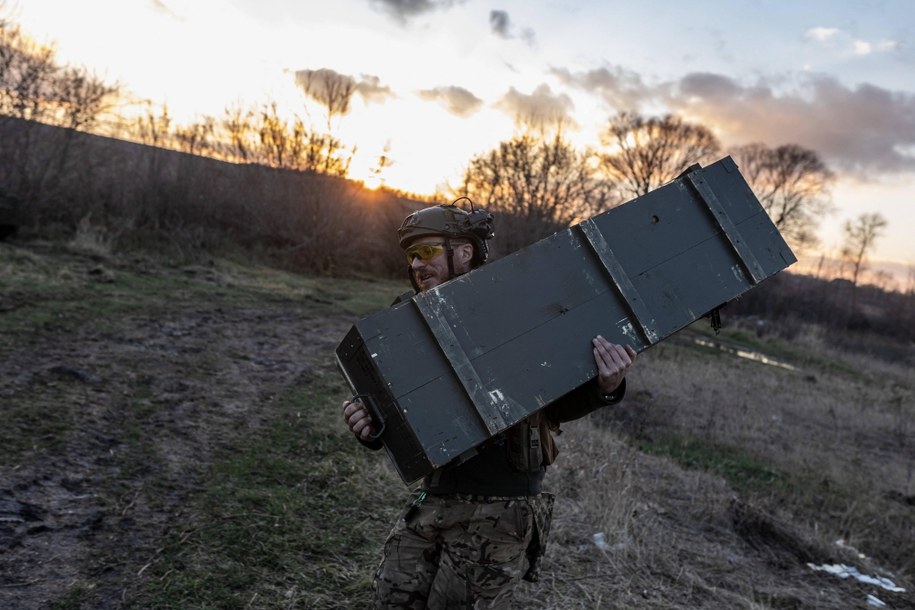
x,y
862,47
456,100
707,85
540,107
821,34
325,84
618,88
500,23
501,26
860,129
371,89
404,10
838,39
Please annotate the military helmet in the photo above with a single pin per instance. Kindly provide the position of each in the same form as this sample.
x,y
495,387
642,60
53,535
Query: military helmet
x,y
450,221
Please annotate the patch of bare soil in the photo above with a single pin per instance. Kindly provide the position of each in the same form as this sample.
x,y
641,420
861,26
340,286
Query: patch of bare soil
x,y
129,412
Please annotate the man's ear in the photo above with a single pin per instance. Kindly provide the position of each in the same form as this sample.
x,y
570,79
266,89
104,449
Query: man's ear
x,y
465,253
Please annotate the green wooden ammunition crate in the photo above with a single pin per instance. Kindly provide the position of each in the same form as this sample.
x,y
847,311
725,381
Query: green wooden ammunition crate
x,y
451,367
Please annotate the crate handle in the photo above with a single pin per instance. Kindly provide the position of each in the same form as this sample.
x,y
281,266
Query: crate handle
x,y
374,412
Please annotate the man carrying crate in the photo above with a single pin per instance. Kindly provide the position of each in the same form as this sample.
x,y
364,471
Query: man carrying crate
x,y
476,528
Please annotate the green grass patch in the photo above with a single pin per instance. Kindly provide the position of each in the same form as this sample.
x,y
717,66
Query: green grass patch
x,y
48,294
282,521
742,470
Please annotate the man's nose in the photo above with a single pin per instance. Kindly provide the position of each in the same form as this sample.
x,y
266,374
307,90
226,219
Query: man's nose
x,y
417,262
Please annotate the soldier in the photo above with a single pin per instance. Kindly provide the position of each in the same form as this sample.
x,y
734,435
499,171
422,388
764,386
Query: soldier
x,y
476,528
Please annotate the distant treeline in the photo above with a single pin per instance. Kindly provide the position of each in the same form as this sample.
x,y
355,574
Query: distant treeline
x,y
852,316
61,183
57,182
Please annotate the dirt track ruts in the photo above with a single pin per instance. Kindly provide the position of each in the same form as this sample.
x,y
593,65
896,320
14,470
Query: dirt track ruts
x,y
145,403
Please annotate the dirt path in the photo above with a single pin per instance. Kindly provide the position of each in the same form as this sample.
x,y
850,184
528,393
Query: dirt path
x,y
129,410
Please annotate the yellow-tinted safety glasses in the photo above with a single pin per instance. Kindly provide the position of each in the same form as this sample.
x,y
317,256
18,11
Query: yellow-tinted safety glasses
x,y
425,252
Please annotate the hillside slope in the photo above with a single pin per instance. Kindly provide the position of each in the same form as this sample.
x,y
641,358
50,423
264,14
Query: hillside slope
x,y
172,439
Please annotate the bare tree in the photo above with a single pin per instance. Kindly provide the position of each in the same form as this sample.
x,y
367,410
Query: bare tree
x,y
33,86
645,153
792,183
35,89
332,90
82,98
27,71
276,145
196,138
860,237
540,183
154,129
238,124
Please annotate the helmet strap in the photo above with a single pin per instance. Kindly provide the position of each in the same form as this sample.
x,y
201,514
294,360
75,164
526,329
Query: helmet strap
x,y
449,252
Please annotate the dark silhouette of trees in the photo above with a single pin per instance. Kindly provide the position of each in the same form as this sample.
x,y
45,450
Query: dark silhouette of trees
x,y
197,138
538,183
35,90
33,86
280,142
238,125
153,128
860,237
27,71
792,183
334,92
644,153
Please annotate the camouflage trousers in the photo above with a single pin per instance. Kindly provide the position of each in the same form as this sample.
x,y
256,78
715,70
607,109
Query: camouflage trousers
x,y
462,552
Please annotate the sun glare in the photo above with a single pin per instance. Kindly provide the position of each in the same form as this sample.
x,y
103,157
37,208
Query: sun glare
x,y
426,145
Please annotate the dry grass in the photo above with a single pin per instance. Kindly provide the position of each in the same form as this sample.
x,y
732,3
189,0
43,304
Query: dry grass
x,y
760,470
237,485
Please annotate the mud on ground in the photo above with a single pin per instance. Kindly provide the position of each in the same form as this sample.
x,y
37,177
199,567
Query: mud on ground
x,y
118,382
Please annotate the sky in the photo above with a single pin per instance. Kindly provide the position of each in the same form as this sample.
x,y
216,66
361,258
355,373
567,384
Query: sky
x,y
441,81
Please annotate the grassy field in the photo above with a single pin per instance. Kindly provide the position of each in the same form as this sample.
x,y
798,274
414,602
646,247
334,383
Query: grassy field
x,y
173,439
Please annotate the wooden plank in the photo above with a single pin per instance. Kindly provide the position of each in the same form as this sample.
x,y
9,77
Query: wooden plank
x,y
454,366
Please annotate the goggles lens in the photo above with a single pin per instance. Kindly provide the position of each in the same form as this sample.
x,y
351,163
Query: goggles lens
x,y
425,252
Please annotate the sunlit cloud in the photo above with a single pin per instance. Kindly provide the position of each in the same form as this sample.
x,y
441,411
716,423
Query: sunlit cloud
x,y
706,85
862,47
859,129
325,84
540,107
457,100
619,89
371,89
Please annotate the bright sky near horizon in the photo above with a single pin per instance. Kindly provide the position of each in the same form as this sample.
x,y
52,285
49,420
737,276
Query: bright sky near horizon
x,y
441,80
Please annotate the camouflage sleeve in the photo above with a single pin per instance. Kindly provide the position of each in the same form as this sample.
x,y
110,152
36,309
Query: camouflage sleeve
x,y
583,400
